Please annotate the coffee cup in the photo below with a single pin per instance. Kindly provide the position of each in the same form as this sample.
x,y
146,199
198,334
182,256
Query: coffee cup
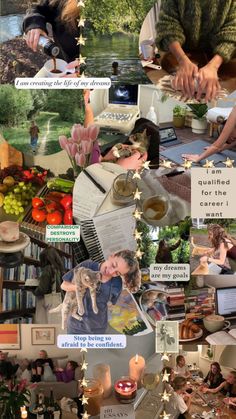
x,y
147,49
155,209
60,69
213,323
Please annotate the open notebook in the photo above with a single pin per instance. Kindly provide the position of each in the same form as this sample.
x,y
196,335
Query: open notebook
x,y
222,338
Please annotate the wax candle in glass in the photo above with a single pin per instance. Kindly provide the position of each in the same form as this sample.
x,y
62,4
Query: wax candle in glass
x,y
102,373
136,369
125,390
123,189
94,392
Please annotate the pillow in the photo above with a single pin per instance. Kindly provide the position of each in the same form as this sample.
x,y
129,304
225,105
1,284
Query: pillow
x,y
48,374
60,362
26,375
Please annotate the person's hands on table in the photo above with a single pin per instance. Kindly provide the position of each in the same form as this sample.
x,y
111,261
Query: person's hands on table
x,y
32,38
133,162
184,79
208,82
192,157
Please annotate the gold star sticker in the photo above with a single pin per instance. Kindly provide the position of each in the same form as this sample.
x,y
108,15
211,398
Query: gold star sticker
x,y
83,76
165,415
187,164
115,152
85,415
84,382
138,235
165,377
228,162
83,350
80,3
81,40
82,60
136,175
165,396
81,22
209,164
84,400
137,194
137,214
167,164
139,254
146,165
165,357
84,366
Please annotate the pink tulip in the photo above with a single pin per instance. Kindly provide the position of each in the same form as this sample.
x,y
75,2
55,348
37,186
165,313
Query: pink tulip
x,y
93,132
22,385
80,159
87,146
63,141
75,132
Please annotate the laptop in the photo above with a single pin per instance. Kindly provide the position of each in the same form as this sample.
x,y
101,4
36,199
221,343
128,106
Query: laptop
x,y
121,110
168,137
226,303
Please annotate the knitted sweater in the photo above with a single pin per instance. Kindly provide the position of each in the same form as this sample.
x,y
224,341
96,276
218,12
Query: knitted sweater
x,y
198,24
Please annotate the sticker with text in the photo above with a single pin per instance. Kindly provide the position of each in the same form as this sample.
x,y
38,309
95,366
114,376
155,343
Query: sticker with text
x,y
169,272
92,341
62,233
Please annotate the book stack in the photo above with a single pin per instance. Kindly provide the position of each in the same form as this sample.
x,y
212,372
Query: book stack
x,y
199,303
33,250
19,320
17,299
175,303
21,273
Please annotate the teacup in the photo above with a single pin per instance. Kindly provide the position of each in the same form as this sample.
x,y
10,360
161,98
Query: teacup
x,y
155,209
213,323
147,49
61,67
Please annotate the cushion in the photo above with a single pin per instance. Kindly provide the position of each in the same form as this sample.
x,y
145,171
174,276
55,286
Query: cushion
x,y
60,362
78,374
26,375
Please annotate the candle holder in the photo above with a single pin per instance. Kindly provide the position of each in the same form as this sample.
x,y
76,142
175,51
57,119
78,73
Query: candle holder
x,y
123,189
125,390
94,392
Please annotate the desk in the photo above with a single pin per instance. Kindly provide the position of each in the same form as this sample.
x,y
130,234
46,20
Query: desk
x,y
219,404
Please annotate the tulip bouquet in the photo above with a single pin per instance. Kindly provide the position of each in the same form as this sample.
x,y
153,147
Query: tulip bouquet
x,y
13,395
81,146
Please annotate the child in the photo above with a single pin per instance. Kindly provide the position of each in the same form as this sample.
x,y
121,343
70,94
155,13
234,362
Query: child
x,y
182,398
68,373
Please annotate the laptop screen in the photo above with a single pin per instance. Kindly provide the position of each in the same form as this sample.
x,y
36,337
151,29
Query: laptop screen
x,y
123,94
167,134
225,301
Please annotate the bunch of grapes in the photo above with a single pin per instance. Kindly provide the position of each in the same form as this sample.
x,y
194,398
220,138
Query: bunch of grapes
x,y
17,200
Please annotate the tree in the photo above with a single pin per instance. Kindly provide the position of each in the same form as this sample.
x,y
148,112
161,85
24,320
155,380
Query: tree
x,y
14,104
68,103
39,98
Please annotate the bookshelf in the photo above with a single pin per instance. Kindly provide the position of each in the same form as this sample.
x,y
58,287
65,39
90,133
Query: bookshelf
x,y
17,301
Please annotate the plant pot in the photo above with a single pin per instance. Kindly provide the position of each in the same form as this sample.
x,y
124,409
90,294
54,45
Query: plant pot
x,y
178,121
199,126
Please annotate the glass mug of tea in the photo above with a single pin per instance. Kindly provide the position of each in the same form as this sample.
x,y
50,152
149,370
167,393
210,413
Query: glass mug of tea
x,y
56,67
156,209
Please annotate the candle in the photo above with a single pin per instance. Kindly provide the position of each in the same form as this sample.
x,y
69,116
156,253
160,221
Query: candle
x,y
125,390
94,392
136,369
102,373
24,414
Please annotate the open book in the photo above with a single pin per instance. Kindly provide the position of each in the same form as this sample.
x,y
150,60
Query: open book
x,y
222,338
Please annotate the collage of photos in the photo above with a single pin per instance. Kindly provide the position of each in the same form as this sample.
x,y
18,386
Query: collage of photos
x,y
135,317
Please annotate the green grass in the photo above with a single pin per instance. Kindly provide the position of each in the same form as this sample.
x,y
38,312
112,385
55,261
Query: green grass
x,y
19,137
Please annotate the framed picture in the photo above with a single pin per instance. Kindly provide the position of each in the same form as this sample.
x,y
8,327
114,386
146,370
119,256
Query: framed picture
x,y
167,336
10,336
208,352
43,335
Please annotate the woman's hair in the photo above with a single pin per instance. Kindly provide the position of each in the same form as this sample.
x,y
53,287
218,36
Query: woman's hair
x,y
69,10
233,373
45,352
214,377
219,235
50,256
73,364
179,383
133,277
178,358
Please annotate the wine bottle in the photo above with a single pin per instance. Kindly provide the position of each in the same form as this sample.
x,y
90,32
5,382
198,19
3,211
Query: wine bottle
x,y
51,403
41,409
57,411
49,47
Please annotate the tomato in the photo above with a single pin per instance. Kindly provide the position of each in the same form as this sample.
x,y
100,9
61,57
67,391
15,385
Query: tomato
x,y
52,206
39,215
37,202
66,201
68,217
54,218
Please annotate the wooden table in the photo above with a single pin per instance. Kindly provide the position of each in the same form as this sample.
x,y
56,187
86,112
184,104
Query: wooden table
x,y
200,408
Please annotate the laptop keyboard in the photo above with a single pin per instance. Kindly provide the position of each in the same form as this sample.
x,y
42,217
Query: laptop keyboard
x,y
115,116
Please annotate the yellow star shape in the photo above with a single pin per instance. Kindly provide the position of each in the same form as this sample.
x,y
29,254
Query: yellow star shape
x,y
85,415
82,60
209,164
165,397
228,162
138,235
84,366
83,350
139,254
81,40
167,164
81,22
165,357
137,214
115,152
137,194
80,3
83,76
84,400
165,377
146,165
84,382
165,415
136,175
187,164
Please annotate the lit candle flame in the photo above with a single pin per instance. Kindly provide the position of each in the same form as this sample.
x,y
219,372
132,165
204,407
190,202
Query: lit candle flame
x,y
136,359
